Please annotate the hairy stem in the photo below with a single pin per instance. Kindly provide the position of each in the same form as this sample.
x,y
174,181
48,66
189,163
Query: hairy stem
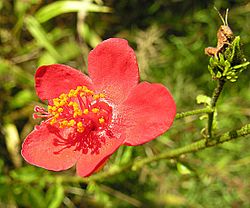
x,y
193,112
194,147
175,153
215,96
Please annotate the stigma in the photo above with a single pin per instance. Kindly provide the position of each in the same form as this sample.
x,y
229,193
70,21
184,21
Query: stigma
x,y
80,109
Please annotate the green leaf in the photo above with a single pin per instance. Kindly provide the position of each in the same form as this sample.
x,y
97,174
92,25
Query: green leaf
x,y
21,98
40,35
22,76
182,169
218,75
61,7
13,143
203,99
89,36
27,174
36,198
55,196
69,50
241,65
46,59
127,154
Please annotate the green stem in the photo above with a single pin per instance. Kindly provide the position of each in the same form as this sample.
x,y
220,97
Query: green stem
x,y
199,145
193,112
175,153
215,96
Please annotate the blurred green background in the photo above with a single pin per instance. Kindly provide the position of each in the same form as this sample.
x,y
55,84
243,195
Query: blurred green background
x,y
169,38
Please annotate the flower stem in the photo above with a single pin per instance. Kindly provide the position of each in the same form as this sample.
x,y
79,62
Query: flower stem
x,y
175,153
215,96
193,147
193,112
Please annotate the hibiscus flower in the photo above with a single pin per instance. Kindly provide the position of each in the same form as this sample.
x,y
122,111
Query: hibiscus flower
x,y
89,117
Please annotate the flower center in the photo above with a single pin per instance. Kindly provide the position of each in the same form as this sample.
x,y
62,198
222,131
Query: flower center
x,y
80,109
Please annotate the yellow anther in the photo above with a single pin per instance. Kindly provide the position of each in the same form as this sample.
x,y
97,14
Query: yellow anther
x,y
79,88
71,122
82,94
86,111
60,110
80,127
90,92
54,108
70,103
95,97
79,124
65,122
56,102
102,95
95,110
53,113
52,121
80,130
63,96
49,108
62,102
72,93
56,115
101,120
75,114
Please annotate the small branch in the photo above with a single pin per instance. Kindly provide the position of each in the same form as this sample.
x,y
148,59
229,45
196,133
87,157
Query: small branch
x,y
194,112
194,147
215,96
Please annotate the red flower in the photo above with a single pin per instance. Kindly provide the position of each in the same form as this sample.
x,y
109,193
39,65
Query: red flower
x,y
88,118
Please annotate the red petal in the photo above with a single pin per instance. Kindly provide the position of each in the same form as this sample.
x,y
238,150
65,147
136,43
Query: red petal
x,y
91,162
46,147
148,112
113,69
55,79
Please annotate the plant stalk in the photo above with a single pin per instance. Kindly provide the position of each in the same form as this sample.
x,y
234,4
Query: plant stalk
x,y
175,153
193,112
215,96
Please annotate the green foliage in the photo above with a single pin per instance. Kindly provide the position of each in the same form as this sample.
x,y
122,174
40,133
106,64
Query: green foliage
x,y
169,38
230,63
62,7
